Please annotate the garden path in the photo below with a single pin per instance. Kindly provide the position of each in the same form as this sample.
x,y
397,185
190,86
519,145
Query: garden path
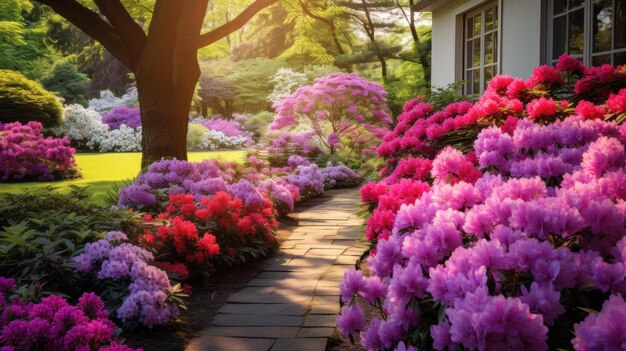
x,y
293,302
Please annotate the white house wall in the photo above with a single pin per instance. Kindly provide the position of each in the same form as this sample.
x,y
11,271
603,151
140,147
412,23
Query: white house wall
x,y
520,43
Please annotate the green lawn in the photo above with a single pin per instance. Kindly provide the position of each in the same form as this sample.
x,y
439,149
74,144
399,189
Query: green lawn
x,y
101,171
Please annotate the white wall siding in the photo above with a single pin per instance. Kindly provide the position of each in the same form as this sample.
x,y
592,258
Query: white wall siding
x,y
521,37
520,28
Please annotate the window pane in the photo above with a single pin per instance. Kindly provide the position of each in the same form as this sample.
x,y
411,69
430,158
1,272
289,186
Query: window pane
x,y
576,3
495,17
476,54
489,18
476,81
601,59
470,27
559,6
470,82
602,25
469,52
489,38
489,73
558,37
619,18
576,43
477,23
495,47
619,58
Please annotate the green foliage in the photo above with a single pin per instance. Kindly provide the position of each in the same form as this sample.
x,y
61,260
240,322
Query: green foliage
x,y
65,79
440,97
23,100
258,123
249,79
194,136
41,231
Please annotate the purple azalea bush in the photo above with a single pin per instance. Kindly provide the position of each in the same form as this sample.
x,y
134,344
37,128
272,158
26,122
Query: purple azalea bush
x,y
55,324
129,116
517,258
113,258
26,155
340,176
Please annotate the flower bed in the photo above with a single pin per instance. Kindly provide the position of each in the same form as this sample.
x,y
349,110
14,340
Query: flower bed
x,y
525,254
26,155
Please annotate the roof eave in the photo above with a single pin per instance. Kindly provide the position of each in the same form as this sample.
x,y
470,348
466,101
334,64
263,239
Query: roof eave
x,y
429,5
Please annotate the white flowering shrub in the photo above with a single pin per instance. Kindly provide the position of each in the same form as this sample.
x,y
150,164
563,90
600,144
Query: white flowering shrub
x,y
124,139
83,126
109,101
285,82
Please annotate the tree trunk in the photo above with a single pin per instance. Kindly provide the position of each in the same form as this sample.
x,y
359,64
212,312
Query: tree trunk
x,y
164,116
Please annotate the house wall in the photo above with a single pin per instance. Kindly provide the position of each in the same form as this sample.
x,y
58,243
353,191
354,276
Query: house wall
x,y
520,43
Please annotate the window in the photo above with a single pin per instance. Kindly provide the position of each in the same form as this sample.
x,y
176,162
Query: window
x,y
481,47
594,31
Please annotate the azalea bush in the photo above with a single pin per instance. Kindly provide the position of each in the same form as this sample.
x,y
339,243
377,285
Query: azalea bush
x,y
55,324
136,290
118,116
519,245
343,110
25,154
217,229
108,101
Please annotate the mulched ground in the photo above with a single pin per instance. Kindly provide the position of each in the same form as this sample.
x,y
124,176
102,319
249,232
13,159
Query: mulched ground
x,y
207,299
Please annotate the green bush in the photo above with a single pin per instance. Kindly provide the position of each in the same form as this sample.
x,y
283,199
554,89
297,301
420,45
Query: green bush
x,y
65,79
23,100
194,136
41,231
258,123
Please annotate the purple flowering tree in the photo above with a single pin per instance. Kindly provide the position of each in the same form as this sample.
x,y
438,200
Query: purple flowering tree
x,y
342,109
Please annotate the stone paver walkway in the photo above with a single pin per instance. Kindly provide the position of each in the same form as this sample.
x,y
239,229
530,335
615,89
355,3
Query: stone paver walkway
x,y
293,303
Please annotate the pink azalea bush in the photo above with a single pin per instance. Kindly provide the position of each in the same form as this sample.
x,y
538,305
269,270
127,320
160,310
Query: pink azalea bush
x,y
341,109
230,127
55,324
26,155
513,246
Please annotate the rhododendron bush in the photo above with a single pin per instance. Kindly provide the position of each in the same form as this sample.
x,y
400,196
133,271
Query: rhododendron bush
x,y
518,246
343,110
26,155
54,324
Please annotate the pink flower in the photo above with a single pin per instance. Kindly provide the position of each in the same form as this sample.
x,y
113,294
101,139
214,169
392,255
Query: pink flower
x,y
605,330
569,64
588,110
616,103
541,107
351,320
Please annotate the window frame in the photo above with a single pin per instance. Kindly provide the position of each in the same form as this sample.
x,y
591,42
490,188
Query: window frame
x,y
588,54
463,40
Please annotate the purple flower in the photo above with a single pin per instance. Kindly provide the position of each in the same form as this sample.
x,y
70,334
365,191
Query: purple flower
x,y
604,331
351,320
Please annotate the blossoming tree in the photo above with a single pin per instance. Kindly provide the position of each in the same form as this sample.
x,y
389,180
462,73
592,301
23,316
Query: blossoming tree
x,y
343,110
163,59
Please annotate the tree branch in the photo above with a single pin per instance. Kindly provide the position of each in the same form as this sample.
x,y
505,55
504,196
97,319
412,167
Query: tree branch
x,y
94,26
233,25
124,25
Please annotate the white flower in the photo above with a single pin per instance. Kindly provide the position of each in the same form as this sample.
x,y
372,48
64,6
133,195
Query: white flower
x,y
108,101
124,139
83,126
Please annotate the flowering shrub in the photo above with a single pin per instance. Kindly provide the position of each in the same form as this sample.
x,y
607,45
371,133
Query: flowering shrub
x,y
281,147
232,128
109,101
153,187
123,139
201,138
83,127
546,96
334,107
339,176
54,324
233,228
508,259
308,179
25,154
148,288
129,116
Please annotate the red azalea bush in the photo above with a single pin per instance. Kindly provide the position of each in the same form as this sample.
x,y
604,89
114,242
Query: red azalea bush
x,y
26,155
218,227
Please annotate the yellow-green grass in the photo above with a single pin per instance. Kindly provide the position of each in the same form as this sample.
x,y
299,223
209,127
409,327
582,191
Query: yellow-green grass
x,y
102,172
